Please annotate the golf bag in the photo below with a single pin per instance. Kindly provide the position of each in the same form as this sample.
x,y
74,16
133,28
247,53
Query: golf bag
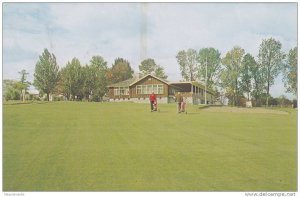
x,y
182,107
155,106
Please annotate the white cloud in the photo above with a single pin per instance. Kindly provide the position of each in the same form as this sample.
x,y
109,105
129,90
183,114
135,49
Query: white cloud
x,y
96,29
220,25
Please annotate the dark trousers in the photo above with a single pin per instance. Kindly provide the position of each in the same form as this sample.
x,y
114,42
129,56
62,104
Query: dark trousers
x,y
151,103
179,107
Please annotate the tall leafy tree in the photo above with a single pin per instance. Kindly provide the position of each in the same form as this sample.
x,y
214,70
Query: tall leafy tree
x,y
290,71
251,69
246,75
270,58
73,79
64,83
23,83
160,72
230,75
188,65
23,79
98,74
120,71
148,66
89,81
209,58
46,73
59,88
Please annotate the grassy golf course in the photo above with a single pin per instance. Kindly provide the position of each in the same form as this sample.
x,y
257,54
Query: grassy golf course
x,y
80,146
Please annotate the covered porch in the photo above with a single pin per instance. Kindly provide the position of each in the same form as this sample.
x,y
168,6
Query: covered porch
x,y
193,91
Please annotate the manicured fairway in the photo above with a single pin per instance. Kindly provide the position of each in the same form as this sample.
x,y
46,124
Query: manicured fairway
x,y
77,146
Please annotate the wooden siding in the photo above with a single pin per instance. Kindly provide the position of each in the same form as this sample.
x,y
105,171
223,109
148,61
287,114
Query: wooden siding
x,y
196,94
148,81
119,97
111,92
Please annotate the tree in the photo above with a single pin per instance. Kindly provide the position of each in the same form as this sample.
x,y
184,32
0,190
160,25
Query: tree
x,y
148,66
187,61
15,90
89,81
270,58
120,71
72,79
23,79
248,64
209,57
257,79
283,101
46,73
231,73
11,90
290,76
98,77
23,83
59,88
159,72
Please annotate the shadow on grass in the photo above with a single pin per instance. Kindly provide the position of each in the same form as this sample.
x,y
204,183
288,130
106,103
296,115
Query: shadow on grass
x,y
207,106
24,103
181,114
173,112
158,112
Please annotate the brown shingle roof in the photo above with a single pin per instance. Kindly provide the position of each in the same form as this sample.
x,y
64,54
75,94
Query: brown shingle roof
x,y
133,80
137,80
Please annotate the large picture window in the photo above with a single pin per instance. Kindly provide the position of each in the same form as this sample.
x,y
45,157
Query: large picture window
x,y
148,89
138,90
116,91
160,89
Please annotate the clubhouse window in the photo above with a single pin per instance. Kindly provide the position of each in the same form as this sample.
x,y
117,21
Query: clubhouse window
x,y
121,91
148,89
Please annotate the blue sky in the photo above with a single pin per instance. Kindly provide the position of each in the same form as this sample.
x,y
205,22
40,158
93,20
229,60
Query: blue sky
x,y
136,31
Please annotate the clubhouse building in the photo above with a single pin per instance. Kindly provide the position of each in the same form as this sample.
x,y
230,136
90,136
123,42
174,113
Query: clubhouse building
x,y
138,90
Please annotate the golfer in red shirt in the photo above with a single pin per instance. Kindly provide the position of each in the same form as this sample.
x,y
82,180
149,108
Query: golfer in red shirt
x,y
152,98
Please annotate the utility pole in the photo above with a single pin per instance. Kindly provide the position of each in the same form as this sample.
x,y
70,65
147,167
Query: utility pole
x,y
205,79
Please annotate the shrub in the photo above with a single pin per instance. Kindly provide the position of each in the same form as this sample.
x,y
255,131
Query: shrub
x,y
12,94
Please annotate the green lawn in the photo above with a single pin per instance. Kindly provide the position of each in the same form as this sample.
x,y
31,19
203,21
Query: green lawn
x,y
77,146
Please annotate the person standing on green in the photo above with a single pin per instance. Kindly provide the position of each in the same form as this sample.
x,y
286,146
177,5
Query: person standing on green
x,y
179,100
153,102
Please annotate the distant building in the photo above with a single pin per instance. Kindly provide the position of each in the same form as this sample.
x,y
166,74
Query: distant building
x,y
138,90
